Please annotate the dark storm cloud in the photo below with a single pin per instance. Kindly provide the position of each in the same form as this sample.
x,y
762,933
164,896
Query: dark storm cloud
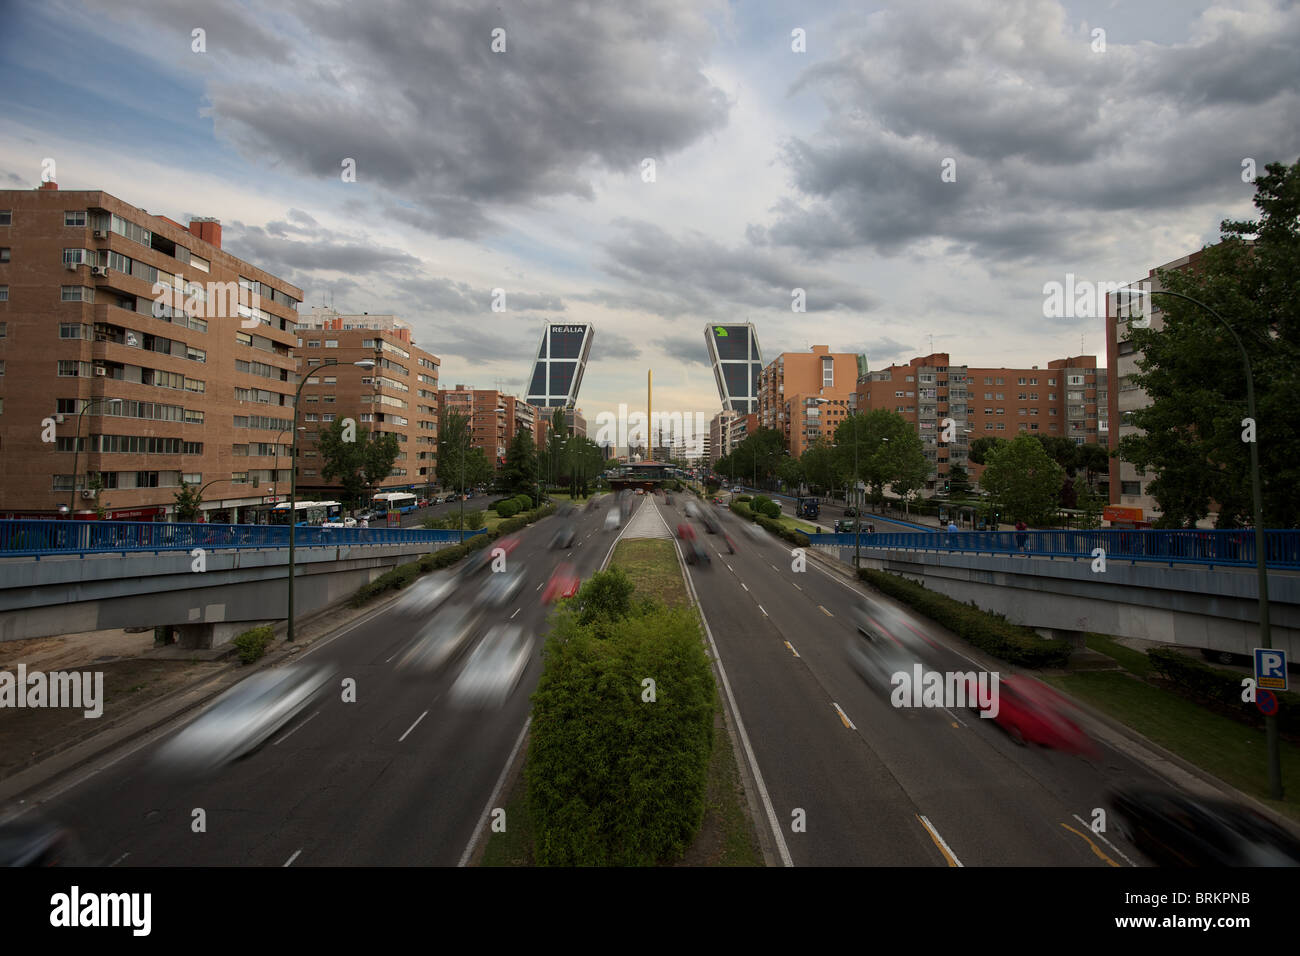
x,y
441,296
612,345
414,94
695,275
459,344
685,348
1045,133
272,250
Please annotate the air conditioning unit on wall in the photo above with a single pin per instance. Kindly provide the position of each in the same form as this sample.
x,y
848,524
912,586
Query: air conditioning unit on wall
x,y
87,493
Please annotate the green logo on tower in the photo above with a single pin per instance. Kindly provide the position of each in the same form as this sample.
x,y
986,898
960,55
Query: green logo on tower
x,y
719,331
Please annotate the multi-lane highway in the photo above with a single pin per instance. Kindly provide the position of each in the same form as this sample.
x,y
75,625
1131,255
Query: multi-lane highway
x,y
400,777
878,785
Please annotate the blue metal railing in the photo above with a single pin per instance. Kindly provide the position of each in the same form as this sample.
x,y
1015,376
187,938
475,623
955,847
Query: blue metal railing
x,y
1234,548
26,538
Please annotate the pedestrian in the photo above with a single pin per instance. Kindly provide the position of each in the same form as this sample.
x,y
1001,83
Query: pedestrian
x,y
952,533
1021,536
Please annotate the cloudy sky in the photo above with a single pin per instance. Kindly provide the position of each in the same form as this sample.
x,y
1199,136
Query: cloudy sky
x,y
793,146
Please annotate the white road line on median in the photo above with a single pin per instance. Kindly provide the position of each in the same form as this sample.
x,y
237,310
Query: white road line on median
x,y
943,847
413,726
1104,840
276,743
289,862
119,859
496,793
539,585
796,587
844,717
792,650
765,614
517,610
744,585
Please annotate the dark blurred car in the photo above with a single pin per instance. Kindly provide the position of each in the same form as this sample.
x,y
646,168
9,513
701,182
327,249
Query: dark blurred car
x,y
877,661
850,512
696,552
564,537
1177,829
710,523
1033,713
731,544
34,843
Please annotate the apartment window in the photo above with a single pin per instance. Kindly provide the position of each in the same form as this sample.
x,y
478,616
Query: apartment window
x,y
1022,411
331,380
239,478
193,416
195,355
4,330
1051,411
75,330
73,256
243,338
312,362
311,417
988,380
1001,396
1023,396
314,344
202,265
331,343
1033,396
1130,487
988,411
998,382
311,398
327,417
6,217
988,396
1051,381
367,417
4,254
1051,396
4,293
1033,411
910,378
1002,411
74,217
1074,396
1020,381
329,399
71,369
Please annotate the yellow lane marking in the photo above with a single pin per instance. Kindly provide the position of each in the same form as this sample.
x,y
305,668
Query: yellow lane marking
x,y
938,841
844,718
1095,849
792,650
826,612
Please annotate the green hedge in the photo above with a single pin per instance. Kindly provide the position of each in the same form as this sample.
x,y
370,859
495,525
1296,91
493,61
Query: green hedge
x,y
252,644
764,505
991,633
797,538
613,779
1222,689
507,508
745,498
743,510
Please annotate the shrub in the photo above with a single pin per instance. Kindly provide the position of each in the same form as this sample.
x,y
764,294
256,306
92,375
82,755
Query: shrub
x,y
797,538
759,504
507,508
1221,689
745,498
474,520
252,644
742,510
989,632
607,595
614,780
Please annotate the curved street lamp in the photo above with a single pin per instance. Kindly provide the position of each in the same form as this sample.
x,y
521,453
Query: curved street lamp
x,y
76,446
293,481
1261,566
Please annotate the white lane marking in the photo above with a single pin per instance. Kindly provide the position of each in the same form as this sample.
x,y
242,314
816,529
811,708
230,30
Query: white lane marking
x,y
1104,840
775,568
730,568
844,717
496,792
744,585
797,588
276,743
938,839
782,849
517,610
760,607
413,726
289,862
539,586
119,859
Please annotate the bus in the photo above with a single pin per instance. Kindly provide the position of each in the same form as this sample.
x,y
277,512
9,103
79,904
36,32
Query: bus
x,y
403,501
308,513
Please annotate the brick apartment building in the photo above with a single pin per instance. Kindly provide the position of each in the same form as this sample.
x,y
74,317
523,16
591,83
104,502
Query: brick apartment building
x,y
495,419
805,395
1068,398
720,435
135,350
399,395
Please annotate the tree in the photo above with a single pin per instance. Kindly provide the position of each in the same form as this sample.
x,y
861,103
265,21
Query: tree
x,y
1061,450
1094,460
1193,436
1023,479
958,480
460,464
1091,504
357,464
887,449
790,471
519,474
981,446
821,465
188,503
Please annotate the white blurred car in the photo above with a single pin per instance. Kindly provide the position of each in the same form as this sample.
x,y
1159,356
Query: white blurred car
x,y
501,587
612,519
245,716
440,639
495,668
428,593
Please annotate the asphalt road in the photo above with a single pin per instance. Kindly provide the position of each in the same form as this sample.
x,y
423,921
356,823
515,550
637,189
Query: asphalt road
x,y
881,785
400,777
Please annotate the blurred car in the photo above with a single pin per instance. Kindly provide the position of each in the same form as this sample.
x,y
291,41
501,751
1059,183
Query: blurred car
x,y
495,667
640,491
696,553
35,842
341,523
612,519
564,537
685,531
1033,713
850,512
668,497
861,615
710,523
427,594
501,588
877,661
564,583
482,558
692,509
1177,829
439,640
245,716
731,543
753,530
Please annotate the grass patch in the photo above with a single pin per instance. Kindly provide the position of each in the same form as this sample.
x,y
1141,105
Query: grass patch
x,y
651,563
514,847
797,524
1233,752
1135,662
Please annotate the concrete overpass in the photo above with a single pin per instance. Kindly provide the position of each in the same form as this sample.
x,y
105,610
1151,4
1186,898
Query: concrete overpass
x,y
209,601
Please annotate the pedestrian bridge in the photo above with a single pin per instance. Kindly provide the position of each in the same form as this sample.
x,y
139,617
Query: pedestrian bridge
x,y
210,581
1197,589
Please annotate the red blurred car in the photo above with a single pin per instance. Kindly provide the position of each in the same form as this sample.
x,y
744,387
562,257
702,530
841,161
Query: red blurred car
x,y
1033,713
564,583
685,532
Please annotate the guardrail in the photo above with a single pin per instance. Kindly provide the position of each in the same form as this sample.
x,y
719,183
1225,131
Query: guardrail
x,y
28,538
1231,548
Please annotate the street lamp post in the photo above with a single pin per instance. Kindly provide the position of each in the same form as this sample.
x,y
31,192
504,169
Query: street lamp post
x,y
76,447
293,482
1261,565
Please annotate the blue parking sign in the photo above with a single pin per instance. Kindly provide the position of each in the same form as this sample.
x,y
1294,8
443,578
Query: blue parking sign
x,y
1270,668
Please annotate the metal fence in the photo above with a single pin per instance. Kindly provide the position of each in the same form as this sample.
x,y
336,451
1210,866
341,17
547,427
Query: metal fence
x,y
1235,548
35,538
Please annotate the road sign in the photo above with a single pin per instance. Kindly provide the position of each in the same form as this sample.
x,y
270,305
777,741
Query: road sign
x,y
1270,668
1266,701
